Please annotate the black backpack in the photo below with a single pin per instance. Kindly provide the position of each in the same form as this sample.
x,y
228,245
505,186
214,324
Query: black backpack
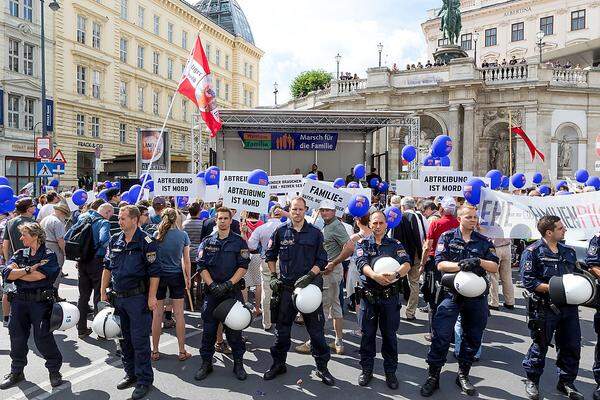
x,y
81,246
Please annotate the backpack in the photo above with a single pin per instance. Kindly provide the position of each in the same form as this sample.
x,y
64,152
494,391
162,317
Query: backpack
x,y
81,246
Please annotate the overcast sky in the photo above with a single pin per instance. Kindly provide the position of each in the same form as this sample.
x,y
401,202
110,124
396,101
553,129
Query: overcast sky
x,y
300,35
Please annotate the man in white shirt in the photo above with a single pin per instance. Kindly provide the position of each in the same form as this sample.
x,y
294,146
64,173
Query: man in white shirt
x,y
48,209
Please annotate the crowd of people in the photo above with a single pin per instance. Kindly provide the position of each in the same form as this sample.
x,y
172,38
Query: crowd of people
x,y
347,76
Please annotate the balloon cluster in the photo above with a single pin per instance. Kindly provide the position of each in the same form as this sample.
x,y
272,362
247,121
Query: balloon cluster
x,y
7,196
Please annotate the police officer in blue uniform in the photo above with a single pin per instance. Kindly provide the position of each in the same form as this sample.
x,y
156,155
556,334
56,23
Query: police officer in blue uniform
x,y
592,263
460,249
33,269
380,300
133,275
541,261
298,246
223,262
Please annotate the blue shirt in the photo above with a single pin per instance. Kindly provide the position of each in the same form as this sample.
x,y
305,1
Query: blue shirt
x,y
592,257
23,259
452,247
170,251
297,251
367,251
222,257
539,263
133,262
100,231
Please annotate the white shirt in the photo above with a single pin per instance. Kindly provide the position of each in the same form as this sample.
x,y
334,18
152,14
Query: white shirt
x,y
262,234
47,209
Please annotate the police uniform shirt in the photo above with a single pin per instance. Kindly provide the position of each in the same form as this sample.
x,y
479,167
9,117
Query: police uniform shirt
x,y
368,251
539,263
452,247
297,251
592,257
23,258
222,257
131,263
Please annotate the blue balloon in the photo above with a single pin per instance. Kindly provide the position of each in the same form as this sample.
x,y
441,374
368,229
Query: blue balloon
x,y
441,146
117,185
144,176
54,183
149,185
409,153
4,181
6,193
314,177
518,180
353,185
212,175
495,178
134,193
505,182
339,182
431,161
445,161
200,175
472,190
359,205
359,171
108,184
182,201
204,214
79,197
258,177
593,181
383,187
283,219
125,197
374,182
582,175
544,190
8,205
538,178
393,216
102,195
561,184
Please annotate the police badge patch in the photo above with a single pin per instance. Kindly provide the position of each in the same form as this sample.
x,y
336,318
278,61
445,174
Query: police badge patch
x,y
359,252
401,253
151,256
440,247
592,250
528,265
245,253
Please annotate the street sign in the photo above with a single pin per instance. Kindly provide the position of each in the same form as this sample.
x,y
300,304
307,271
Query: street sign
x,y
59,168
44,169
59,157
43,148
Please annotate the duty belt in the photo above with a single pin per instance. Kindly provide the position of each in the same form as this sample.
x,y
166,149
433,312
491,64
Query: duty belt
x,y
141,289
34,295
372,294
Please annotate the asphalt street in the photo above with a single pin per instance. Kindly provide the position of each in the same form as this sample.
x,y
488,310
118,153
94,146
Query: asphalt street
x,y
91,369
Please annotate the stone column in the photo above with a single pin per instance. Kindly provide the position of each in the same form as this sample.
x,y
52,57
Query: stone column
x,y
468,144
453,127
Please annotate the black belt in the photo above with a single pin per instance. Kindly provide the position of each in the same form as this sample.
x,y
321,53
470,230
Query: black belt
x,y
35,295
374,294
141,289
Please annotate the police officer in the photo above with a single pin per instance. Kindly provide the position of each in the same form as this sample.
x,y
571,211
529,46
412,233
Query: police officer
x,y
592,263
33,269
133,275
223,261
541,261
380,300
460,249
298,246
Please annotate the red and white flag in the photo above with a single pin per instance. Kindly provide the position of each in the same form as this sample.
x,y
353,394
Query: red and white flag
x,y
196,85
517,130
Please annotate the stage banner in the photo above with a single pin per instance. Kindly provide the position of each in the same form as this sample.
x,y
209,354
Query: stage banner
x,y
289,141
505,215
315,191
244,196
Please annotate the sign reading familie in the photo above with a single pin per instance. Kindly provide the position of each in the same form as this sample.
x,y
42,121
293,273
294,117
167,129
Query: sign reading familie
x,y
314,192
244,196
442,183
289,141
175,184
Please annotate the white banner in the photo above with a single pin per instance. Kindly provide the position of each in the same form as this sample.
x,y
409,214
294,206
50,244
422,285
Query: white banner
x,y
175,184
354,191
406,187
315,191
508,216
286,184
442,183
244,196
233,176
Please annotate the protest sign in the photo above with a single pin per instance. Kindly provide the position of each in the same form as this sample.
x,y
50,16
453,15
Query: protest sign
x,y
354,191
176,184
244,196
314,192
286,184
442,183
509,216
233,176
406,187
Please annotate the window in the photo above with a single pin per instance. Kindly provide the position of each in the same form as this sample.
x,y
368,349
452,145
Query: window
x,y
96,84
245,97
170,68
95,35
491,36
140,57
80,127
442,42
123,50
170,100
81,22
28,10
183,141
140,98
19,171
246,69
184,113
466,41
156,25
218,87
250,98
13,111
13,55
81,79
155,102
251,71
170,32
124,9
95,127
518,32
141,11
155,59
29,113
208,51
28,59
14,8
218,57
547,25
227,91
123,92
122,133
227,62
184,42
578,20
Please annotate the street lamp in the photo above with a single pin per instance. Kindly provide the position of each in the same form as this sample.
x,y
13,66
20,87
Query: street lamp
x,y
379,49
338,57
540,37
54,6
275,91
475,38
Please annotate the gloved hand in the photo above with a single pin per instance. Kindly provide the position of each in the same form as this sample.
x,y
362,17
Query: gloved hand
x,y
228,287
479,271
305,280
217,289
469,264
274,282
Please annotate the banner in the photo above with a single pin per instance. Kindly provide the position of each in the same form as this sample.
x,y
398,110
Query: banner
x,y
289,141
147,139
406,187
176,185
233,176
442,183
508,216
244,196
367,192
49,115
286,184
314,192
209,194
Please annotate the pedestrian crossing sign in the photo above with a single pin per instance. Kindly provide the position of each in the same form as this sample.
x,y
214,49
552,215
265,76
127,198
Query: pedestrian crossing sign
x,y
44,170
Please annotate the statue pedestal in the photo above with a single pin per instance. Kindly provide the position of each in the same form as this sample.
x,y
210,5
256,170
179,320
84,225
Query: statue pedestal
x,y
449,52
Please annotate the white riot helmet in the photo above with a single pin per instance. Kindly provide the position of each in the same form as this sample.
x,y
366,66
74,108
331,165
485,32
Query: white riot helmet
x,y
106,324
386,264
465,283
233,314
307,299
571,289
64,316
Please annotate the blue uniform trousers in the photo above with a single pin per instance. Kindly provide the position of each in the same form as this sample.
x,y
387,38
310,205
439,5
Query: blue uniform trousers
x,y
24,314
385,314
567,334
596,368
136,323
474,315
210,326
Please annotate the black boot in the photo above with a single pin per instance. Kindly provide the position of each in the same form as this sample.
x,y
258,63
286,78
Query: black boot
x,y
239,371
432,383
462,380
391,380
11,379
568,389
365,377
532,390
326,376
55,379
597,393
276,369
140,392
205,369
126,382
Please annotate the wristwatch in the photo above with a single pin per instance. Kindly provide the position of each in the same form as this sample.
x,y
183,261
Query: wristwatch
x,y
27,270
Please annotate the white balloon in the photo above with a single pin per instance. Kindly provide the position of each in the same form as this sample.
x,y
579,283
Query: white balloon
x,y
308,299
386,264
238,318
469,284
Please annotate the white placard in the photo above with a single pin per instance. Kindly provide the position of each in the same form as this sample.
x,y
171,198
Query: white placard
x,y
442,183
354,191
244,196
91,196
597,166
314,192
233,176
286,184
72,206
208,194
406,187
175,184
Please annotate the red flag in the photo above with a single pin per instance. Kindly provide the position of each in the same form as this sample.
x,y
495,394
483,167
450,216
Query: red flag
x,y
196,85
532,149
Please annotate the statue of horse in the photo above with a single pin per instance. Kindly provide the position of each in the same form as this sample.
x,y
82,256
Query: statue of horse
x,y
450,20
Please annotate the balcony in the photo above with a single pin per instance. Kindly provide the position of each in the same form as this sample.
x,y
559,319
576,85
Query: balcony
x,y
346,87
570,77
504,74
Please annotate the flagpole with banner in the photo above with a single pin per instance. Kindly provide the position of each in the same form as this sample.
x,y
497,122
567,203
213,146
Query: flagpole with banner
x,y
510,133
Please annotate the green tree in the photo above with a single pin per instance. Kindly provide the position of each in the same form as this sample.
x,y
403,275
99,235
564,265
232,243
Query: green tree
x,y
309,81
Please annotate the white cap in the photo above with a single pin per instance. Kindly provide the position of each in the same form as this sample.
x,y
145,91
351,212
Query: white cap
x,y
448,203
327,205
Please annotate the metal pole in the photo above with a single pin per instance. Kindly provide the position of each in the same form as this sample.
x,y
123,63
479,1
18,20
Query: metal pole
x,y
510,168
540,46
379,59
43,50
475,56
337,76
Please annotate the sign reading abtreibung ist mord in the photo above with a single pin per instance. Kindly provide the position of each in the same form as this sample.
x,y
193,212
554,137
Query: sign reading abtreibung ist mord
x,y
442,183
176,184
289,141
244,196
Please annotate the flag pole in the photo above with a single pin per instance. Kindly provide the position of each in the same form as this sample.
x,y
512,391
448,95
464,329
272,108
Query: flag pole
x,y
510,168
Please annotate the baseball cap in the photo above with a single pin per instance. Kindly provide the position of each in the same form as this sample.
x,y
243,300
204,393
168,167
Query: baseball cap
x,y
396,200
448,203
326,205
158,201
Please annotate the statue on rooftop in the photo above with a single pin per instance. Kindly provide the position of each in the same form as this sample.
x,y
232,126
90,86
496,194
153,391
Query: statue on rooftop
x,y
450,23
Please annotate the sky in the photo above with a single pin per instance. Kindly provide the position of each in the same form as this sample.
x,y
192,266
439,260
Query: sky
x,y
299,35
